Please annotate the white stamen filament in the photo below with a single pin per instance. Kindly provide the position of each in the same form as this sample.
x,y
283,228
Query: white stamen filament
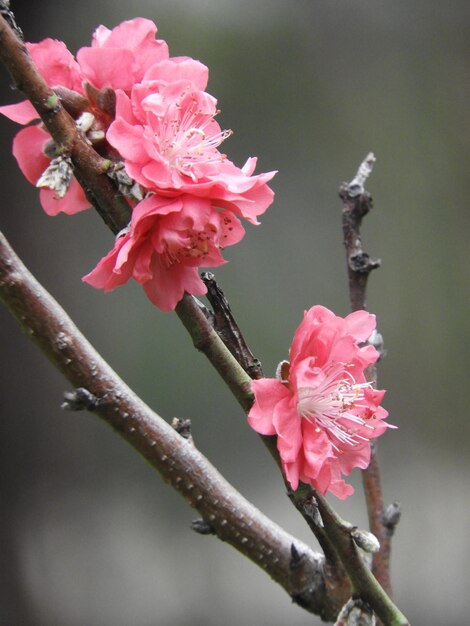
x,y
335,398
185,143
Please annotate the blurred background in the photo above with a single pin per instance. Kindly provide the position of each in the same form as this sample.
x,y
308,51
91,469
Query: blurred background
x,y
88,532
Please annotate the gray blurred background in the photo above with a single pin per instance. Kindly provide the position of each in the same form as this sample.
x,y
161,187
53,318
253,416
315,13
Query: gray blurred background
x,y
89,535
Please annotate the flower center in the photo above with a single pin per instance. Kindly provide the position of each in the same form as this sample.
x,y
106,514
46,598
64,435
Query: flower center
x,y
336,400
188,137
188,244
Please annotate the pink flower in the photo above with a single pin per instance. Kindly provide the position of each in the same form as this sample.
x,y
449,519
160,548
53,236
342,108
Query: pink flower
x,y
168,239
118,58
323,411
162,123
169,139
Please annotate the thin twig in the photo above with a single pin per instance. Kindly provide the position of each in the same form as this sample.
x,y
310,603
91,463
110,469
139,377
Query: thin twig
x,y
231,517
357,203
228,329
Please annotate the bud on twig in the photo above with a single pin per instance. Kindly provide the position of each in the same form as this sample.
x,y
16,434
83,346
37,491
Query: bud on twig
x,y
57,176
126,185
356,613
365,540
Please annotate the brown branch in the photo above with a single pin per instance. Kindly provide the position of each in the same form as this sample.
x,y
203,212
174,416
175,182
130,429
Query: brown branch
x,y
357,203
230,516
89,168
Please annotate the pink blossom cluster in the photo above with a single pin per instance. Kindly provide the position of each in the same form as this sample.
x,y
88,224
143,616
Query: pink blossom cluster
x,y
321,407
137,105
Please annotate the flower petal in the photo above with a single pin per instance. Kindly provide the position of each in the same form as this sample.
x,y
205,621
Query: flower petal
x,y
268,392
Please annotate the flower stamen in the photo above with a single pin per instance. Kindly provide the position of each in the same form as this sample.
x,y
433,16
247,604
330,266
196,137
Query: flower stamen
x,y
333,400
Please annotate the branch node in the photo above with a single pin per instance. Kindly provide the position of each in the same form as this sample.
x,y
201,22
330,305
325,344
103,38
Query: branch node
x,y
362,263
311,509
210,317
376,339
356,612
297,559
182,427
365,540
202,527
392,516
53,103
79,399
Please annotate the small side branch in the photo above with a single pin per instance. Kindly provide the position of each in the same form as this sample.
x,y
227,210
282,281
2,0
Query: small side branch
x,y
228,329
357,202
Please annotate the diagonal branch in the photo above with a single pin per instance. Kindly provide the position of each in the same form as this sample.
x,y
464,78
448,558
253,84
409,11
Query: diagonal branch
x,y
231,517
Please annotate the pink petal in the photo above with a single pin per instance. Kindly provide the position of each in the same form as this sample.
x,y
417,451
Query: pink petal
x,y
360,325
268,392
179,68
73,202
28,146
150,208
107,67
288,427
167,286
317,449
313,319
231,230
355,457
129,34
142,269
292,473
103,276
127,139
322,481
56,63
137,35
340,489
22,113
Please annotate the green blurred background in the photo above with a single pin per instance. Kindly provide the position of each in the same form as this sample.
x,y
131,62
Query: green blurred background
x,y
88,532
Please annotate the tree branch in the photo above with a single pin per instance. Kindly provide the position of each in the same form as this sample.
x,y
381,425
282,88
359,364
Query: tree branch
x,y
230,516
357,203
228,329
